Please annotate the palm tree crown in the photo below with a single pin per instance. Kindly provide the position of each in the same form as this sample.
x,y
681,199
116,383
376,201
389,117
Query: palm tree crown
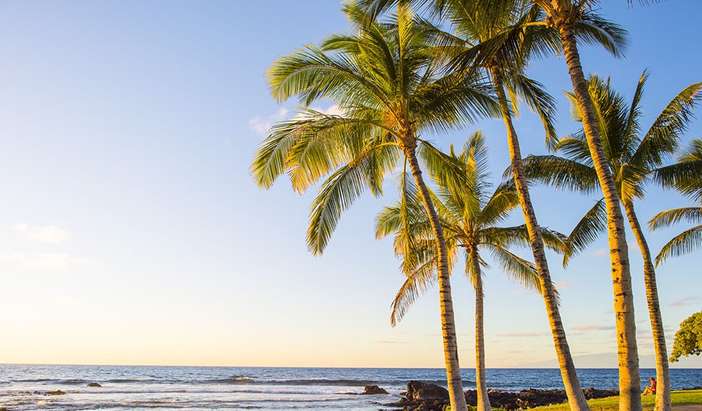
x,y
633,156
388,89
470,213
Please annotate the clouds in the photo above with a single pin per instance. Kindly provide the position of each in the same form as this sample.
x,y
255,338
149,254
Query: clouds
x,y
685,301
522,334
40,262
46,234
261,124
38,248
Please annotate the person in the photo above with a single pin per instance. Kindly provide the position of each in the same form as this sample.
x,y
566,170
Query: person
x,y
651,388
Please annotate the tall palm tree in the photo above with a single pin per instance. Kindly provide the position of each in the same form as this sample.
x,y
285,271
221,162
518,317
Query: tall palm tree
x,y
564,16
686,176
632,157
390,91
469,215
500,37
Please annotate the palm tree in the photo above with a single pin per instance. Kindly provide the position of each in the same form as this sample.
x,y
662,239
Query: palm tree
x,y
632,157
686,176
469,215
565,16
390,91
499,38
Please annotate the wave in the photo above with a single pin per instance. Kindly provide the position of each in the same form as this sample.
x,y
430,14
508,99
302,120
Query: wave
x,y
233,380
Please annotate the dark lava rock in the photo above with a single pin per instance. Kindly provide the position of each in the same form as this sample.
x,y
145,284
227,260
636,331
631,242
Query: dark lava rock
x,y
532,397
422,396
430,397
591,393
55,392
94,384
373,390
424,391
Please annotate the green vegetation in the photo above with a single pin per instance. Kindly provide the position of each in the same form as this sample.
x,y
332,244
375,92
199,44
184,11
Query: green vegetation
x,y
679,398
688,339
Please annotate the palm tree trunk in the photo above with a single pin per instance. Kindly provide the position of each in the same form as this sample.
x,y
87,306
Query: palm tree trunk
x,y
576,398
663,400
448,326
483,400
629,382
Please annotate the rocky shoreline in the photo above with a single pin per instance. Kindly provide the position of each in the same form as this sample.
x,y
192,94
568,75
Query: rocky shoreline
x,y
422,396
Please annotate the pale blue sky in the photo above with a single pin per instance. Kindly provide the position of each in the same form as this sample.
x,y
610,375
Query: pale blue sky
x,y
131,230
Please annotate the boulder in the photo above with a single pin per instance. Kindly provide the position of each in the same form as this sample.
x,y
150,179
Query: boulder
x,y
94,384
424,391
422,396
591,393
55,392
373,390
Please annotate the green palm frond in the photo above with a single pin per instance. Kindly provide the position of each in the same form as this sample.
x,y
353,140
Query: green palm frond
x,y
560,172
412,288
312,74
338,192
666,218
519,269
683,243
538,99
686,174
503,200
665,133
592,28
519,236
633,127
586,230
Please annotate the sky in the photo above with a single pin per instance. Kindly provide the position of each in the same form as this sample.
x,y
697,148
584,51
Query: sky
x,y
131,230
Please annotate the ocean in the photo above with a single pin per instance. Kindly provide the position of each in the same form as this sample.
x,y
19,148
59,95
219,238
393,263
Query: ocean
x,y
25,387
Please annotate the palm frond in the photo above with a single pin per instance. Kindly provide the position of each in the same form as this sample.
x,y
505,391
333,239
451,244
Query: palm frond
x,y
561,173
503,200
683,243
592,28
593,222
538,99
336,194
667,218
412,288
519,269
686,174
665,133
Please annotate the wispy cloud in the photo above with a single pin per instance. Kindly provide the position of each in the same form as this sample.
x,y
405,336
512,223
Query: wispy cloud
x,y
391,342
592,327
522,334
40,262
685,301
48,234
600,252
261,124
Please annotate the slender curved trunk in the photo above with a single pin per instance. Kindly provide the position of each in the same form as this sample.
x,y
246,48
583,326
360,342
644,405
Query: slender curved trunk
x,y
627,352
448,326
663,400
483,400
576,398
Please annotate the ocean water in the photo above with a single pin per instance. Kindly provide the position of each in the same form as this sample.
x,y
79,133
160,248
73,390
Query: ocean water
x,y
25,387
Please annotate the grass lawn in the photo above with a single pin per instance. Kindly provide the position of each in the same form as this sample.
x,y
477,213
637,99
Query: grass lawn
x,y
686,397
